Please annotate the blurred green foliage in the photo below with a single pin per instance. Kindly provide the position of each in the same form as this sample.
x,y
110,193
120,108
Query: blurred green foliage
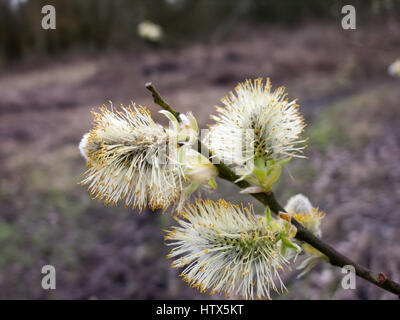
x,y
99,24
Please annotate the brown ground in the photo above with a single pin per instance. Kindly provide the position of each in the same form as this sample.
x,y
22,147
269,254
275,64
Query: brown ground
x,y
352,174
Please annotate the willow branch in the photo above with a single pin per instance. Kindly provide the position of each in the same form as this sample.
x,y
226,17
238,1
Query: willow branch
x,y
268,199
160,101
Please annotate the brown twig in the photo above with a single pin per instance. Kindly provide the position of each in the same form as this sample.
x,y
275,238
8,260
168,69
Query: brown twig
x,y
268,199
160,101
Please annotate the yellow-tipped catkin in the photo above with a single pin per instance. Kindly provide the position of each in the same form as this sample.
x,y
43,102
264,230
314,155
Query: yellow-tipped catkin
x,y
227,249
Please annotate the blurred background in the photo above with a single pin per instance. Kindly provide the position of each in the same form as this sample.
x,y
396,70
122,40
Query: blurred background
x,y
51,79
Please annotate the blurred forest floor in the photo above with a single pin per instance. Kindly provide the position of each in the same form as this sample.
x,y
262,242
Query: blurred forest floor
x,y
351,107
